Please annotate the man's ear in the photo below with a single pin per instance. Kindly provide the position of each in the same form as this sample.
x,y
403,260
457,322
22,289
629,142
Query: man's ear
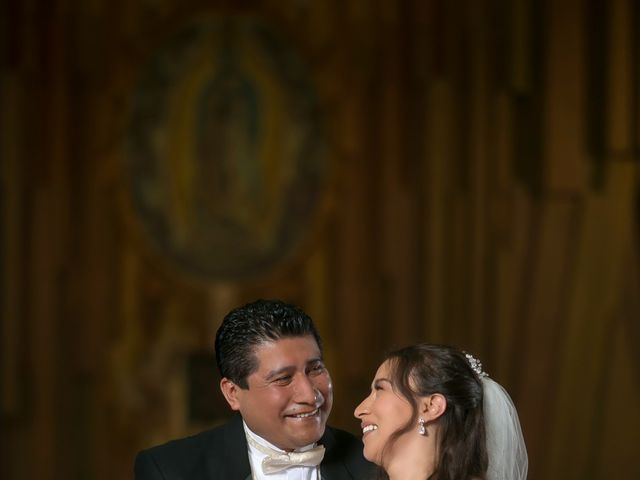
x,y
230,391
433,406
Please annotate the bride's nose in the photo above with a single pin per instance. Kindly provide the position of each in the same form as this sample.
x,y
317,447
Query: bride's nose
x,y
363,408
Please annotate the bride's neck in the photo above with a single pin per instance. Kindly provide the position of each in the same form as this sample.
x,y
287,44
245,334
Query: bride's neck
x,y
414,463
414,474
410,472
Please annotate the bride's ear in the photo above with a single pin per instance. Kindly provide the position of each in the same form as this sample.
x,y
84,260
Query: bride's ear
x,y
433,406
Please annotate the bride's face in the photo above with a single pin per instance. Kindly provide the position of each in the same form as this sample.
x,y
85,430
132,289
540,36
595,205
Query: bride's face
x,y
382,413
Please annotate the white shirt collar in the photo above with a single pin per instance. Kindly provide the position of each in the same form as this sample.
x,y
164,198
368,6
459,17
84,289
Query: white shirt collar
x,y
293,473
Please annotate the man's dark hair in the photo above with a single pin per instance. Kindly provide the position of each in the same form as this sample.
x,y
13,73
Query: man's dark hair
x,y
246,327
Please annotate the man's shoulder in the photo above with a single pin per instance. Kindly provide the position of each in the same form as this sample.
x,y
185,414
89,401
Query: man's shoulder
x,y
343,438
346,449
190,445
179,457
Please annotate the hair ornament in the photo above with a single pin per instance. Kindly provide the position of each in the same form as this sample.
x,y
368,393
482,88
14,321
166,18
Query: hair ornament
x,y
476,365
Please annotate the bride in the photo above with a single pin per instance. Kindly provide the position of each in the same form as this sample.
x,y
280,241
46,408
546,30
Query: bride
x,y
433,414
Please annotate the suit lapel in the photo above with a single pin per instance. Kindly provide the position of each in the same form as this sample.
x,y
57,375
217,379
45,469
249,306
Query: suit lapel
x,y
332,467
227,457
236,460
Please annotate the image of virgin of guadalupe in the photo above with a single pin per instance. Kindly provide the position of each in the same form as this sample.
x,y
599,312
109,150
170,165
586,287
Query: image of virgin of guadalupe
x,y
226,131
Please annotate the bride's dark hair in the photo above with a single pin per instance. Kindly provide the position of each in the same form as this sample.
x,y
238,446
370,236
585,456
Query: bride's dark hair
x,y
423,369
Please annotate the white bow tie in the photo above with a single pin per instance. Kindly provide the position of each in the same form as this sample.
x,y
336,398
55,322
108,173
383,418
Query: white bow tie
x,y
277,461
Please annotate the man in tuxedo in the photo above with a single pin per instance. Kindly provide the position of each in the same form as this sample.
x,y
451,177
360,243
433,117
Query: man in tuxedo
x,y
270,359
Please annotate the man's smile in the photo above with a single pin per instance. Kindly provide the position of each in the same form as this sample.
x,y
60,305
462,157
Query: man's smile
x,y
312,413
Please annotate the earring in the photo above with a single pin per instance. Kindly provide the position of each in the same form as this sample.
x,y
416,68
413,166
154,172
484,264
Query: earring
x,y
422,429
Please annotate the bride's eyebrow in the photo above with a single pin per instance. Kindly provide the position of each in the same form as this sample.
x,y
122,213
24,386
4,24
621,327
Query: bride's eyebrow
x,y
378,381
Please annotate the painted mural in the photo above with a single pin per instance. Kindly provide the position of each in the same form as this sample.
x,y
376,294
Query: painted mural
x,y
225,148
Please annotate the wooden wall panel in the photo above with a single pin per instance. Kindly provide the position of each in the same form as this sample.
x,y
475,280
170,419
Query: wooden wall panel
x,y
483,191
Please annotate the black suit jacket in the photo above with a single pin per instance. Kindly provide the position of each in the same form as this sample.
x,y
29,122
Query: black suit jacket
x,y
221,454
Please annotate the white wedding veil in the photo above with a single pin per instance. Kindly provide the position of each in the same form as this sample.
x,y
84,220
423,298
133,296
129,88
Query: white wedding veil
x,y
505,444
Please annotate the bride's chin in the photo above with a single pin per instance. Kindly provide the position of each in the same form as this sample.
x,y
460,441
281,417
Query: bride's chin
x,y
372,457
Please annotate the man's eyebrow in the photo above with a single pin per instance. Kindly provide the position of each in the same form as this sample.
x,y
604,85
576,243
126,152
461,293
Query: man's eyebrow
x,y
289,368
279,371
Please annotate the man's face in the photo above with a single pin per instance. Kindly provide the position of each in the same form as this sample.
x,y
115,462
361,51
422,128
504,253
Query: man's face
x,y
289,396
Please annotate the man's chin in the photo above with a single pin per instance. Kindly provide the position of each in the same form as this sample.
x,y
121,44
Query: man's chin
x,y
306,435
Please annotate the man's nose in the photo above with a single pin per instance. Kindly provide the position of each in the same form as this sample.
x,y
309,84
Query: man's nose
x,y
307,392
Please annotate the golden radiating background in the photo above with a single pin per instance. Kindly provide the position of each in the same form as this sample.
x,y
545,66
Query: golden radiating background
x,y
464,172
